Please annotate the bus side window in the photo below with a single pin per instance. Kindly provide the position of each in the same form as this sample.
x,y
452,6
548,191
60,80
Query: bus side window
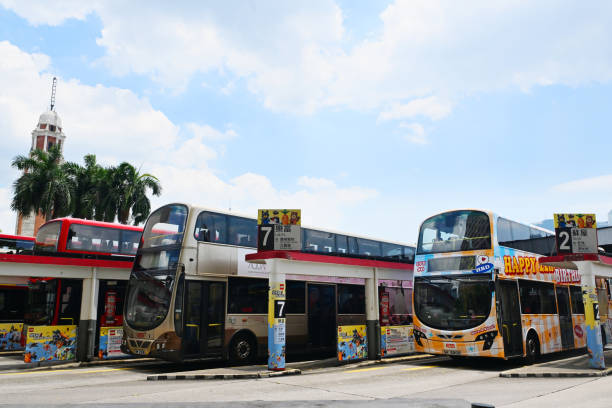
x,y
211,227
353,246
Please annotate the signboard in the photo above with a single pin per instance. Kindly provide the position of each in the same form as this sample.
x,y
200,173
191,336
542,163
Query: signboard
x,y
576,233
50,343
10,336
352,343
395,340
110,342
279,230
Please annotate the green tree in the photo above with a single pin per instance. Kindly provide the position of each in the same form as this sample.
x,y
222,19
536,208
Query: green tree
x,y
130,193
45,186
93,193
86,179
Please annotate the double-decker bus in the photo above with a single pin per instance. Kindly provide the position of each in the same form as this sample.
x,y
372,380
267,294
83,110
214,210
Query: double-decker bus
x,y
76,237
192,295
57,301
479,289
15,244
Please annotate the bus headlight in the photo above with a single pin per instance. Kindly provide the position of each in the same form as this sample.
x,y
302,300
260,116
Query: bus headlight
x,y
488,338
167,342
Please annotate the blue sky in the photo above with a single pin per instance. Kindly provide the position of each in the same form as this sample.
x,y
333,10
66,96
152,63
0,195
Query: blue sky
x,y
370,116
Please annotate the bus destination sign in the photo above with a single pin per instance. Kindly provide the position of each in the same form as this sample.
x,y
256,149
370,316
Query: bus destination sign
x,y
279,230
576,233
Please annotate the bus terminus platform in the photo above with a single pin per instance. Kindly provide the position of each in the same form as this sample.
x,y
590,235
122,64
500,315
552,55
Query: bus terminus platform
x,y
295,265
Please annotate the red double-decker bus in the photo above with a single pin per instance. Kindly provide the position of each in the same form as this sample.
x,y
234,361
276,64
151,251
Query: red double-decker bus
x,y
85,238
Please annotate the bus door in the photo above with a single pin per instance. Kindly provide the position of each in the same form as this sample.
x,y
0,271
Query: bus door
x,y
204,317
509,309
565,317
322,316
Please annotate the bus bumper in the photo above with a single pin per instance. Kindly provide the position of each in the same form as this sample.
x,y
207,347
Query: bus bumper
x,y
487,344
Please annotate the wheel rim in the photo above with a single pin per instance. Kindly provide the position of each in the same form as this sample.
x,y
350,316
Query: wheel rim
x,y
532,347
243,349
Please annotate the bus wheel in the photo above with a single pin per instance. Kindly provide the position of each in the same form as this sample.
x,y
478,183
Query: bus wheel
x,y
533,348
242,349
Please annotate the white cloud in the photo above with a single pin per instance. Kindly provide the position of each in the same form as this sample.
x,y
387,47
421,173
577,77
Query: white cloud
x,y
39,12
431,107
295,56
415,133
599,184
209,133
117,125
315,183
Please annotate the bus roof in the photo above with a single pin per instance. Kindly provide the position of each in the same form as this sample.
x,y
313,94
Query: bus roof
x,y
491,214
92,223
200,208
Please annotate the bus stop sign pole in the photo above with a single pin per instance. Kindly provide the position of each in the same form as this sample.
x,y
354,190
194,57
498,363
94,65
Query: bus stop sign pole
x,y
591,317
276,319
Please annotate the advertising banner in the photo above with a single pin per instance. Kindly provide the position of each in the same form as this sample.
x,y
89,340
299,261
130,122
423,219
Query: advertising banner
x,y
352,343
276,323
279,216
50,343
10,336
395,340
110,342
592,327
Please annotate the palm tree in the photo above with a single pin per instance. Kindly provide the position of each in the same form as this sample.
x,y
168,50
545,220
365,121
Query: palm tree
x,y
93,194
86,181
130,193
45,186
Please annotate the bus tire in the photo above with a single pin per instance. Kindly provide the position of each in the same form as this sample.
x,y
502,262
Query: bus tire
x,y
243,349
533,348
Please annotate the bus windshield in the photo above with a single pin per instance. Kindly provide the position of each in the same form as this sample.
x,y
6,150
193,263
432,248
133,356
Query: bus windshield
x,y
150,287
165,227
148,298
455,302
455,231
47,237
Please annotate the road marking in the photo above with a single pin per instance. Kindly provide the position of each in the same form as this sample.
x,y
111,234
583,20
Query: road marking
x,y
365,369
79,371
417,368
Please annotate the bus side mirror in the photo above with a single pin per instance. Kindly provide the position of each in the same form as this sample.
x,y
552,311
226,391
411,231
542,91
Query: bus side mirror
x,y
492,286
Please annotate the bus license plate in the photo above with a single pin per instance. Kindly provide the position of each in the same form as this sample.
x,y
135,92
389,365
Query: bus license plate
x,y
451,349
139,352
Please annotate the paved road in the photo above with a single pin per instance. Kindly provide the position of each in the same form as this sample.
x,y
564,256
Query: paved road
x,y
410,384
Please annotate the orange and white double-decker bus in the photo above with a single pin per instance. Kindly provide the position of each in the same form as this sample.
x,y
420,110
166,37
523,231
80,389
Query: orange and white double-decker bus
x,y
479,289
